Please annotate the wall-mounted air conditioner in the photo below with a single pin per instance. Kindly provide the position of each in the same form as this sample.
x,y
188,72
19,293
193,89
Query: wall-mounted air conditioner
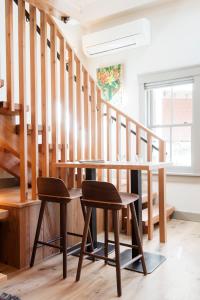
x,y
132,34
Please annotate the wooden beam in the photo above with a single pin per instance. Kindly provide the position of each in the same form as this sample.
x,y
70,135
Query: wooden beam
x,y
149,147
34,101
118,147
93,120
54,98
71,115
87,140
63,99
44,97
162,205
138,141
22,101
99,131
79,120
108,111
162,151
128,151
150,206
9,54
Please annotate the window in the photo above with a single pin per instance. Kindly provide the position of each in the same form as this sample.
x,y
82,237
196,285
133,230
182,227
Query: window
x,y
169,114
170,106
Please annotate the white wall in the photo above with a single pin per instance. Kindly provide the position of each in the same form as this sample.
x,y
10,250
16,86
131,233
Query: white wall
x,y
175,43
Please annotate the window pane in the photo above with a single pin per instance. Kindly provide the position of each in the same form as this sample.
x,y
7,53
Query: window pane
x,y
182,104
160,106
181,146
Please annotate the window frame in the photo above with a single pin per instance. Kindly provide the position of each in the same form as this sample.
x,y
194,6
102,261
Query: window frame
x,y
178,75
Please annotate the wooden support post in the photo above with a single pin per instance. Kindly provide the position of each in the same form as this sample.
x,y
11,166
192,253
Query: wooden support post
x,y
54,99
118,147
22,101
99,131
79,118
44,95
138,141
9,54
150,207
128,151
63,100
86,117
108,111
34,101
149,147
162,151
162,205
71,115
93,119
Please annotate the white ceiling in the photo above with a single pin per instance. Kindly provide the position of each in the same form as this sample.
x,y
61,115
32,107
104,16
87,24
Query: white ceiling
x,y
88,12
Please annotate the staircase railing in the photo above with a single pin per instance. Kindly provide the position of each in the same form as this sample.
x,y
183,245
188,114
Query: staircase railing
x,y
82,124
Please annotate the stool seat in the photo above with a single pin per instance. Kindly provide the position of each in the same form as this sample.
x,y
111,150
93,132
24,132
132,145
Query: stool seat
x,y
128,198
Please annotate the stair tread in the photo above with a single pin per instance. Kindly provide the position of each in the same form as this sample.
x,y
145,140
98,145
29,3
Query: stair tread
x,y
3,214
145,197
169,211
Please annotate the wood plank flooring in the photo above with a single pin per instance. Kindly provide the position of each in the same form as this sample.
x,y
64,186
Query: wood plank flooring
x,y
176,279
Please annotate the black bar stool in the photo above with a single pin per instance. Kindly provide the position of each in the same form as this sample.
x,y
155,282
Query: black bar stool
x,y
52,189
105,196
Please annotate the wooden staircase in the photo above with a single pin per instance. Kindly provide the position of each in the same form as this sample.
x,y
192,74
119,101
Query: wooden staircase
x,y
88,127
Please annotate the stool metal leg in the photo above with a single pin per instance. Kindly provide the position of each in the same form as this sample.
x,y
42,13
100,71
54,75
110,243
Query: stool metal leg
x,y
39,224
84,240
63,215
106,234
117,251
136,232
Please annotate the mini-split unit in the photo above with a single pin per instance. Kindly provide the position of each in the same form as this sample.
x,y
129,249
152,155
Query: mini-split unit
x,y
129,35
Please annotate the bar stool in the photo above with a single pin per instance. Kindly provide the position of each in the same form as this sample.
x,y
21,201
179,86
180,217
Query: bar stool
x,y
54,190
105,196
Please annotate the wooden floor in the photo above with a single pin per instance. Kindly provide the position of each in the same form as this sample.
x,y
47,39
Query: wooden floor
x,y
176,279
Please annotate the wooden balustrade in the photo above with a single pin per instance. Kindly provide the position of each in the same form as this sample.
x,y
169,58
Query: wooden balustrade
x,y
84,115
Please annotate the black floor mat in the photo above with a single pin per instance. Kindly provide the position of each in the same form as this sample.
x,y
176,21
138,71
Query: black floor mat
x,y
5,296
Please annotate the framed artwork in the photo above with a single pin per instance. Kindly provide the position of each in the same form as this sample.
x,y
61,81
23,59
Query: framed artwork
x,y
109,80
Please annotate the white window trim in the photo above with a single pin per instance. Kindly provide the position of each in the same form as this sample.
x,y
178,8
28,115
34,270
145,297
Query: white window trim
x,y
194,72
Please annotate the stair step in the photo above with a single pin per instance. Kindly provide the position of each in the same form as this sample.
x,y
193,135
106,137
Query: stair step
x,y
29,129
2,277
169,211
4,109
3,214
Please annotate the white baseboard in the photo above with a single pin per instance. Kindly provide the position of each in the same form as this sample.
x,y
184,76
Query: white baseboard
x,y
186,216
